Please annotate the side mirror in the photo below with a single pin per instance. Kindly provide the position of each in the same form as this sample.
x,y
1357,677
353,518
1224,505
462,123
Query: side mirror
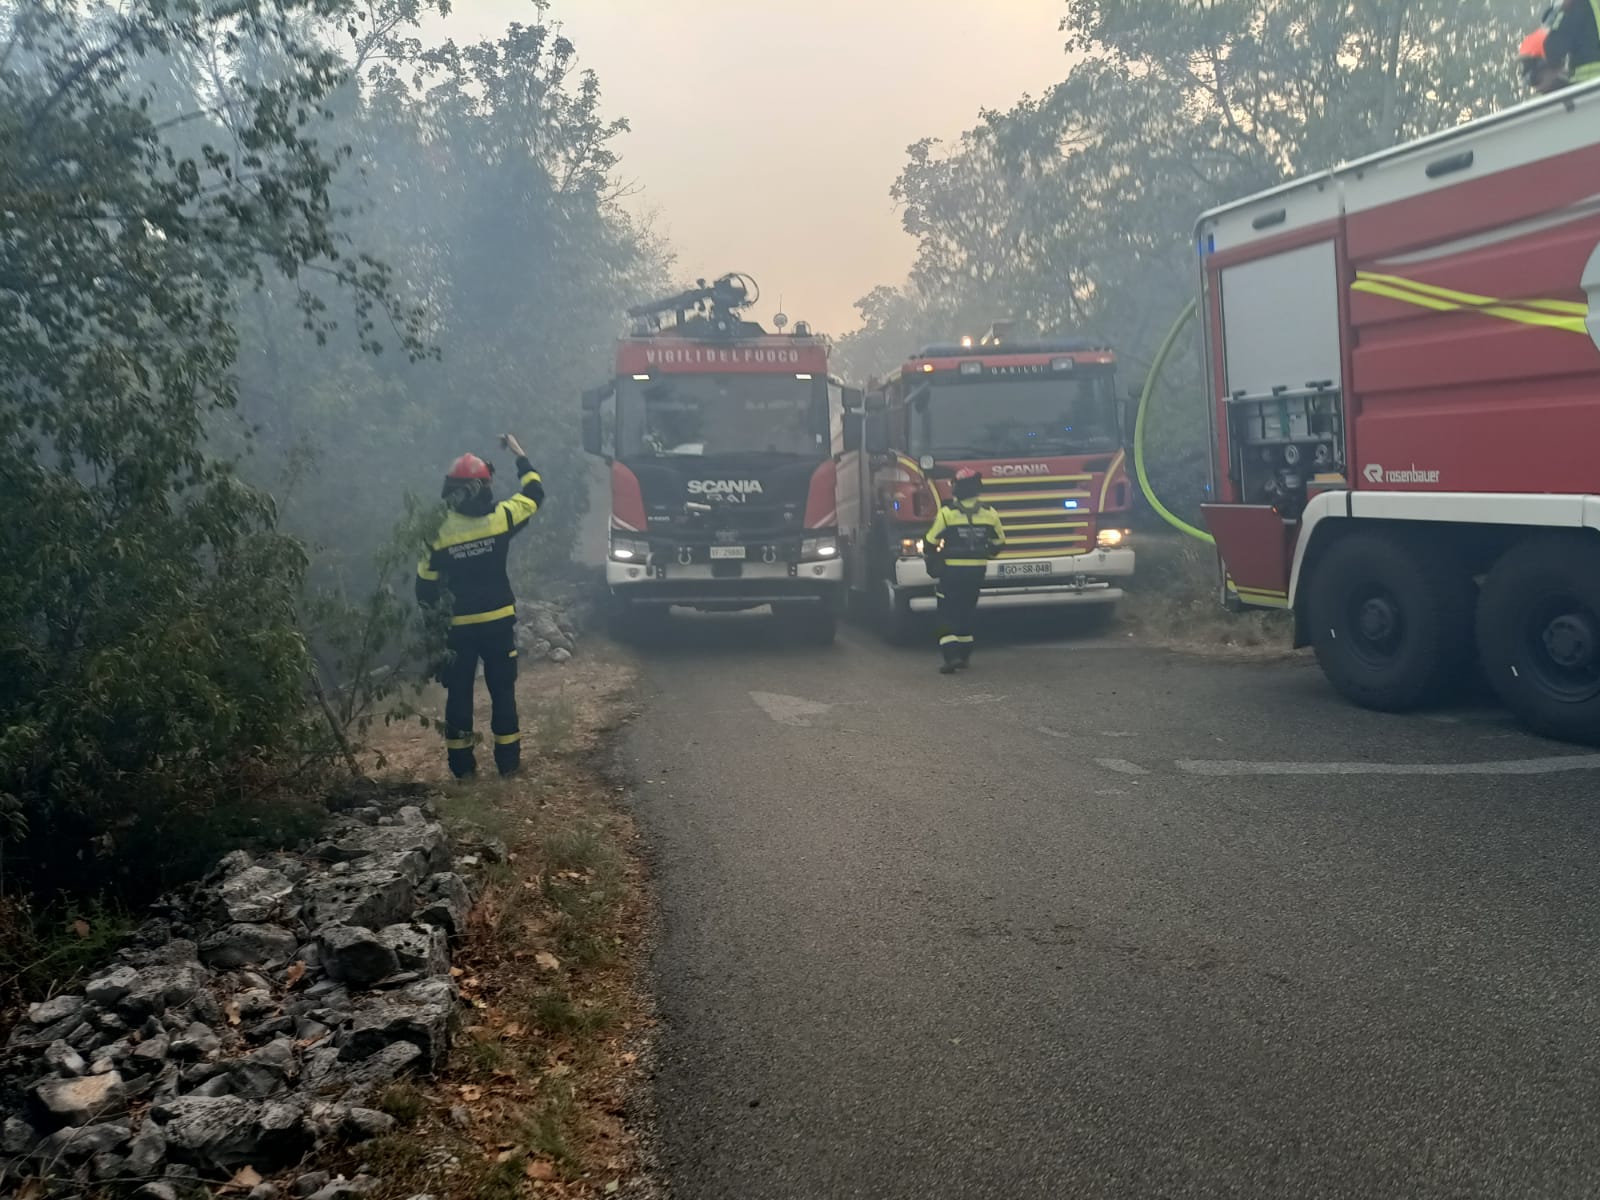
x,y
592,433
875,433
1127,417
593,398
852,399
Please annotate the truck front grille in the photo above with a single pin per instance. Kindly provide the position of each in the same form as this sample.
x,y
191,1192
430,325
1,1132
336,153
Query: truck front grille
x,y
1043,515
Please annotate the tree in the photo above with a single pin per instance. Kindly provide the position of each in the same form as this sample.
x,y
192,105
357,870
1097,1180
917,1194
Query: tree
x,y
1076,211
485,174
149,650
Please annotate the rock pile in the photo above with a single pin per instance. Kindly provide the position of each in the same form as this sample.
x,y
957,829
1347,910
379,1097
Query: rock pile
x,y
257,1016
548,629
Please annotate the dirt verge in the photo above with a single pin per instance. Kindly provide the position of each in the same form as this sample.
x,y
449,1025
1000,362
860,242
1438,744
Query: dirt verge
x,y
545,1091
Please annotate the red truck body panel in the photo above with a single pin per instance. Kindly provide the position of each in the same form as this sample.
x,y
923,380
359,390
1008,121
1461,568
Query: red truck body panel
x,y
1458,353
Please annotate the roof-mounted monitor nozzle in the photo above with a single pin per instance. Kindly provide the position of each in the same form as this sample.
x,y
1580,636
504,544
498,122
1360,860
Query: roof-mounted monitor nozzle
x,y
719,302
998,332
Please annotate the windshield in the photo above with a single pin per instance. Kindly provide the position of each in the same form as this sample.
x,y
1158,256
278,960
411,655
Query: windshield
x,y
695,415
995,418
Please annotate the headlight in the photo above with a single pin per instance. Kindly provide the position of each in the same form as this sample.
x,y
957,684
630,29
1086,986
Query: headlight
x,y
910,547
628,549
819,547
1111,538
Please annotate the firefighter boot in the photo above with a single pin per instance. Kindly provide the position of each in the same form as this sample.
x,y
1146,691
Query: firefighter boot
x,y
508,756
463,762
963,655
952,657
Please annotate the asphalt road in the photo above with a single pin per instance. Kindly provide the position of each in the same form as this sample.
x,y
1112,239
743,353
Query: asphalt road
x,y
1099,921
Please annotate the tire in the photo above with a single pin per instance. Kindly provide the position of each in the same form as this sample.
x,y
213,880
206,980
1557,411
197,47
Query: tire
x,y
1539,635
1390,620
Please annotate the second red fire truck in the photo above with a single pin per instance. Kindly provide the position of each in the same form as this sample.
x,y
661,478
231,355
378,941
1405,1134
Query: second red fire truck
x,y
1041,421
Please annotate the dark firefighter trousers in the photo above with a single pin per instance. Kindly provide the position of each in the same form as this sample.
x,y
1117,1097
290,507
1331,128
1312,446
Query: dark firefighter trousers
x,y
958,605
495,643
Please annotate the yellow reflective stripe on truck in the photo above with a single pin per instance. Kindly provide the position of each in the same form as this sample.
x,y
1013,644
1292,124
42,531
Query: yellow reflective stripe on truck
x,y
1105,485
1565,315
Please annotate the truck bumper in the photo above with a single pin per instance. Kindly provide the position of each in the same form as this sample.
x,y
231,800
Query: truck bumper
x,y
697,585
1072,579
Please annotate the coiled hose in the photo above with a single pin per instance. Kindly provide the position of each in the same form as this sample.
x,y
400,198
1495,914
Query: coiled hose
x,y
1151,379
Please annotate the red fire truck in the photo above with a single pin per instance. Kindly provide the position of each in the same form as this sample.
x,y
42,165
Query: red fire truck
x,y
1404,358
1041,420
722,480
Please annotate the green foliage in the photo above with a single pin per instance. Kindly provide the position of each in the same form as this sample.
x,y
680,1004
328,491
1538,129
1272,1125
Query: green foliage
x,y
53,948
484,172
150,657
366,647
1075,211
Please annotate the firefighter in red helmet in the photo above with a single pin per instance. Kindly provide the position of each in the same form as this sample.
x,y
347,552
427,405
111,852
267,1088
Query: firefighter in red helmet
x,y
1538,72
957,548
467,560
1572,41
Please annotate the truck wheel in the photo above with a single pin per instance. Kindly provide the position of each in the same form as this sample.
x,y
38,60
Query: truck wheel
x,y
1539,636
897,623
1391,620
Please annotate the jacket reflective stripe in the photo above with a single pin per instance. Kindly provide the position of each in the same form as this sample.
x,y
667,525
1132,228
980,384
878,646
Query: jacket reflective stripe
x,y
484,618
457,530
955,516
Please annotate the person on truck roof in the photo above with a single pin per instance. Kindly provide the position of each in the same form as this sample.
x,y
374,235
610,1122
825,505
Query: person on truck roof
x,y
1573,41
1538,72
467,560
957,548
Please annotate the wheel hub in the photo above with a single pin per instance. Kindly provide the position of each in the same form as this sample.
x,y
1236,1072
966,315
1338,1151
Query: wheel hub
x,y
1377,619
1570,640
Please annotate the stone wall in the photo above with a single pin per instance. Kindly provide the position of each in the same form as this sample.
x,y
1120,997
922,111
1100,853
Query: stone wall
x,y
256,1017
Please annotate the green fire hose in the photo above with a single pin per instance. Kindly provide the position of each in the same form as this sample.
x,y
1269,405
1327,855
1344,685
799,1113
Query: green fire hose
x,y
1176,522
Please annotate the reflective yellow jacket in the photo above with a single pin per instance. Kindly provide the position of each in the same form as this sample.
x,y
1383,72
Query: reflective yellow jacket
x,y
967,532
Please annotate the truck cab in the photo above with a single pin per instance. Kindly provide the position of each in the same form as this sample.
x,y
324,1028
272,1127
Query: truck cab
x,y
722,481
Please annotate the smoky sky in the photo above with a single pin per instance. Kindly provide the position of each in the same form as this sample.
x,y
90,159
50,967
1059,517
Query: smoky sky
x,y
766,135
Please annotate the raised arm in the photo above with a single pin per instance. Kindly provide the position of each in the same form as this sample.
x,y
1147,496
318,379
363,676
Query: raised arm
x,y
521,507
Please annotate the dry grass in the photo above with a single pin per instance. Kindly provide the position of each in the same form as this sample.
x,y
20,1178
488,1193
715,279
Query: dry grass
x,y
1173,602
538,1096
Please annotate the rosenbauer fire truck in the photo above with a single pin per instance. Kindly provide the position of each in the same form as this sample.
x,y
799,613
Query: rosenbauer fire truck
x,y
1404,358
722,479
1042,421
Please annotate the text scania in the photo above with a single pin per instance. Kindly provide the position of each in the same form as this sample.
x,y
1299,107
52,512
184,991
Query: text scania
x,y
1020,469
736,491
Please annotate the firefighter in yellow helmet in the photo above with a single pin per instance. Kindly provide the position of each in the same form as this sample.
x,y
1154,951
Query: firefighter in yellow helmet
x,y
467,560
957,548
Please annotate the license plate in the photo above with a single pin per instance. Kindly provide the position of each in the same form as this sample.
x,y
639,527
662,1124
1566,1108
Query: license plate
x,y
727,552
1027,568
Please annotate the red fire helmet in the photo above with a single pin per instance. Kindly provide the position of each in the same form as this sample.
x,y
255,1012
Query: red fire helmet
x,y
967,473
469,466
